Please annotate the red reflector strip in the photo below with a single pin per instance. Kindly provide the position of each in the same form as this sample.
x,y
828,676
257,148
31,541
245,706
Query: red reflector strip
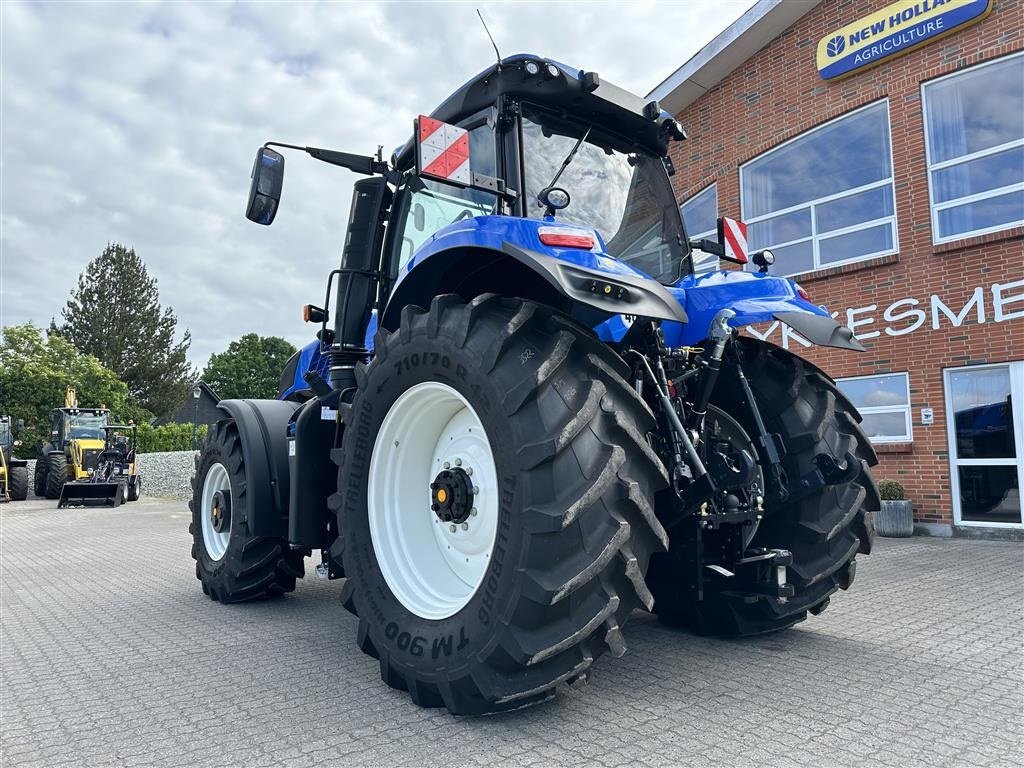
x,y
566,238
801,292
735,239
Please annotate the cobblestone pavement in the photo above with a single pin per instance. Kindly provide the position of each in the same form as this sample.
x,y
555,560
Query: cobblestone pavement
x,y
111,655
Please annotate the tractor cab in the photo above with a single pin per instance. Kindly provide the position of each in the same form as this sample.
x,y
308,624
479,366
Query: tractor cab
x,y
550,143
79,433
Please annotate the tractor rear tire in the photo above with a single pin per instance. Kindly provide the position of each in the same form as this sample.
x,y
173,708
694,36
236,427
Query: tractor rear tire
x,y
39,480
825,529
564,478
234,565
56,475
18,482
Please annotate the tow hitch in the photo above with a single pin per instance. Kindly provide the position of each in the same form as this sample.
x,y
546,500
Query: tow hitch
x,y
710,567
759,572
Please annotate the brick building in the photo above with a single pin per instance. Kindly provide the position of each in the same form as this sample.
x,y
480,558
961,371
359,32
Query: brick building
x,y
878,149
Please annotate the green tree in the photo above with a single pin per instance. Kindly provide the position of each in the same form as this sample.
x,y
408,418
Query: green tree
x,y
250,367
35,373
115,315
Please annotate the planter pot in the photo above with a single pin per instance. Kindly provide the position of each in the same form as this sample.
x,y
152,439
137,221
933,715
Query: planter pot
x,y
895,519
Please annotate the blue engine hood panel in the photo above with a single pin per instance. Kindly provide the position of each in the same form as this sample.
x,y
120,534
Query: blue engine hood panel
x,y
755,298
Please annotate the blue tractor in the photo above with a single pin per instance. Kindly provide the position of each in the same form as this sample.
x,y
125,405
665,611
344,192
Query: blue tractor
x,y
524,416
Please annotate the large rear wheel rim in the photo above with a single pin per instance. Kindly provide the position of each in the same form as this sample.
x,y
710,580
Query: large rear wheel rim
x,y
433,566
216,542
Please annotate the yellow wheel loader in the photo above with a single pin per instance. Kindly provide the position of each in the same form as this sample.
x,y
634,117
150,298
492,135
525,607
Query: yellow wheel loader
x,y
77,438
13,472
114,479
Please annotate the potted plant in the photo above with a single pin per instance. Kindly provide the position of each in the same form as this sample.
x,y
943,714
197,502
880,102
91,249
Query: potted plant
x,y
896,517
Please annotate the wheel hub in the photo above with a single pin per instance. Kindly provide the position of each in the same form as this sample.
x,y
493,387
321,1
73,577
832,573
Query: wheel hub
x,y
220,511
451,496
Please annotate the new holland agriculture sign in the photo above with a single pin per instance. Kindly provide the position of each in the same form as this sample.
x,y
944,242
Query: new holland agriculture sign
x,y
893,31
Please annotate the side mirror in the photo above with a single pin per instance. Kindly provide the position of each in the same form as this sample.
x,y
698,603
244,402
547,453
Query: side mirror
x,y
20,425
265,190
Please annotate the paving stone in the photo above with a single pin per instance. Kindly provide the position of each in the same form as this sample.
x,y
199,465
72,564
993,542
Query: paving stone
x,y
110,655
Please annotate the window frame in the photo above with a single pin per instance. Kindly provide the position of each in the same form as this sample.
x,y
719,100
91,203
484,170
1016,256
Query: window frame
x,y
814,237
1016,372
714,263
711,233
907,410
936,208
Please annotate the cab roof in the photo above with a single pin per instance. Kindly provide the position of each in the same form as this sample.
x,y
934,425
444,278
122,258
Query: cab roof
x,y
578,94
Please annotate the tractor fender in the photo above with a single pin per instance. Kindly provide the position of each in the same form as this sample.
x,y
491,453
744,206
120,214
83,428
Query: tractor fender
x,y
504,255
755,298
263,428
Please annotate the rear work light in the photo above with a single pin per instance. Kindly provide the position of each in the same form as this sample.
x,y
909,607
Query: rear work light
x,y
563,237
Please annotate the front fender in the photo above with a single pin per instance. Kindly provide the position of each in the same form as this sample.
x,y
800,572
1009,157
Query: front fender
x,y
755,298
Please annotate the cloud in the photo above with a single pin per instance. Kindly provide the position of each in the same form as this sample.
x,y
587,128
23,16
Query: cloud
x,y
137,123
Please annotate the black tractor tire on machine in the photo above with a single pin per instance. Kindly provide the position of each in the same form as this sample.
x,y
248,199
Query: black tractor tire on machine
x,y
17,479
39,478
56,475
824,527
575,522
135,489
250,567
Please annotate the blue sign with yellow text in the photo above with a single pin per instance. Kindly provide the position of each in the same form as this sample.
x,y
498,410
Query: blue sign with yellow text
x,y
893,31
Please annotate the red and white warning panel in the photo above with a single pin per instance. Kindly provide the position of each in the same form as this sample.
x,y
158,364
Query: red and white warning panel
x,y
443,151
732,235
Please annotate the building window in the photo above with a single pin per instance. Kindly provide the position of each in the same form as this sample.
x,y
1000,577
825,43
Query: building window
x,y
974,139
884,402
700,215
825,197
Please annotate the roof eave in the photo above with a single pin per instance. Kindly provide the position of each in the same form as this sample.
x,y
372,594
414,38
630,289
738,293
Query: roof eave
x,y
762,23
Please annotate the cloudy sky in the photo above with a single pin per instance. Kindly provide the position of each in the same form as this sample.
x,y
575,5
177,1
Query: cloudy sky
x,y
137,123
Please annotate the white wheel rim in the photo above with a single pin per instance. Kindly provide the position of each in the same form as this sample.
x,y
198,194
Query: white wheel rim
x,y
432,570
216,542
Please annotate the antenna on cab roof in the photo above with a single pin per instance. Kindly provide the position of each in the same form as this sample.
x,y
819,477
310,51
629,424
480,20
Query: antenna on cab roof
x,y
496,53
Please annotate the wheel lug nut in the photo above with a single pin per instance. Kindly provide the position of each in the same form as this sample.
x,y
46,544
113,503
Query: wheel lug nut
x,y
476,490
447,465
458,462
469,470
465,526
451,528
473,512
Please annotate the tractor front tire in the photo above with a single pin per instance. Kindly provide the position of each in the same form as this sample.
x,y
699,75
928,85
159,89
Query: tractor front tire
x,y
135,489
56,475
825,528
232,564
528,425
18,482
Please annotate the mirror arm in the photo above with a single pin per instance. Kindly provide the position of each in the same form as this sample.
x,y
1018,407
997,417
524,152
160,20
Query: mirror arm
x,y
359,163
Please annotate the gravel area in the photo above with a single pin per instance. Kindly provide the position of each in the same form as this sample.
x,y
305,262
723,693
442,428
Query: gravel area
x,y
165,475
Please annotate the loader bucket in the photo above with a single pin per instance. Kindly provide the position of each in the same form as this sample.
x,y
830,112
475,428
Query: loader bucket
x,y
91,494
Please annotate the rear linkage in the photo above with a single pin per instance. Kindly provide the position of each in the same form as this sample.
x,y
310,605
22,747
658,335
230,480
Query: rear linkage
x,y
719,488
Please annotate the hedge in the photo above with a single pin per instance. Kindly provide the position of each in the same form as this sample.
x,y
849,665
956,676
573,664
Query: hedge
x,y
168,437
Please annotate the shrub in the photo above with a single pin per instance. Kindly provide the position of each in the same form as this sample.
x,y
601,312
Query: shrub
x,y
168,437
890,490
